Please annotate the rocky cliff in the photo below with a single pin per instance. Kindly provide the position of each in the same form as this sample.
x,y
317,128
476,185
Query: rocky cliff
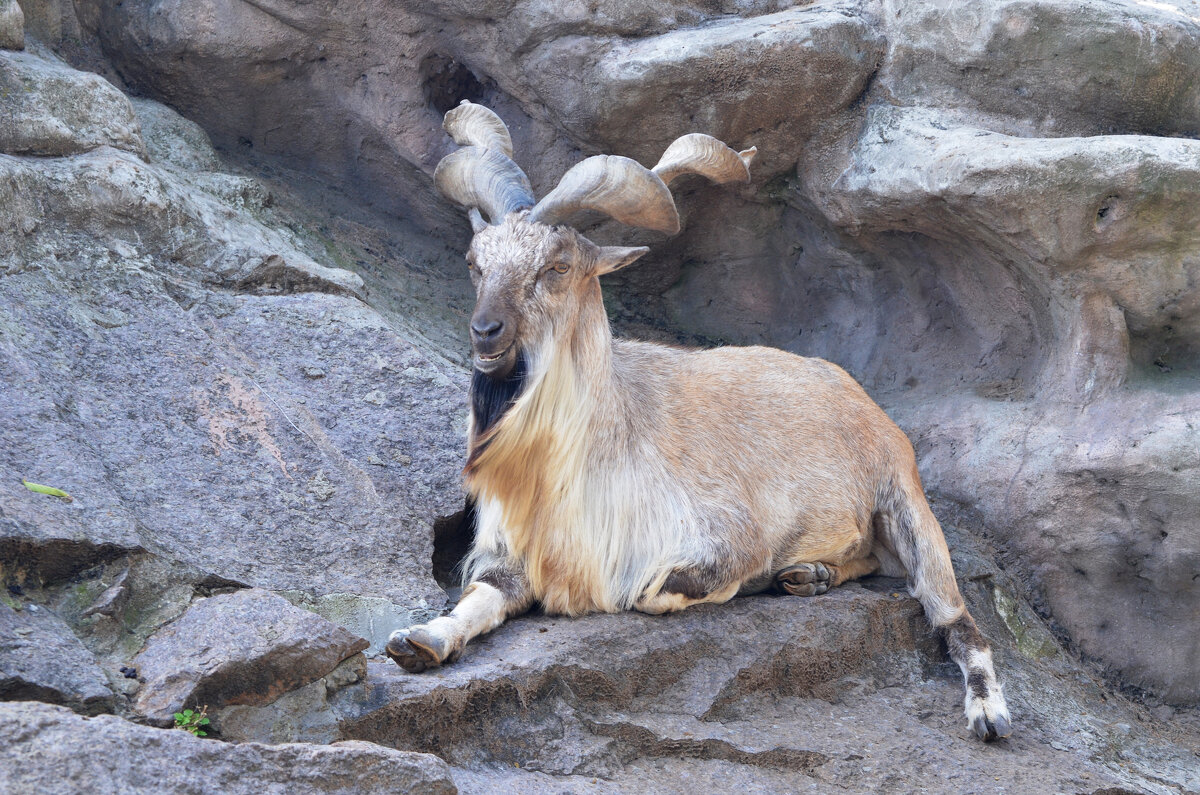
x,y
245,366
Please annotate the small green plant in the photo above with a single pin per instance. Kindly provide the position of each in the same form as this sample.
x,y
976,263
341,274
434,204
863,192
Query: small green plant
x,y
192,721
53,492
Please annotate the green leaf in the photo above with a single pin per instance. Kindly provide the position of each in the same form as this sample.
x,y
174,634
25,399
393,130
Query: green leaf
x,y
53,492
203,722
178,717
201,734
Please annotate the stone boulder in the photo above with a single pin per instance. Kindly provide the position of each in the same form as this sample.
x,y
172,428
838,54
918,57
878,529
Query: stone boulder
x,y
12,26
50,749
849,691
768,80
53,110
175,358
246,647
41,660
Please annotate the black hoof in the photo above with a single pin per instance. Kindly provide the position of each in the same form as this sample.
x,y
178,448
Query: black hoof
x,y
803,579
989,729
413,650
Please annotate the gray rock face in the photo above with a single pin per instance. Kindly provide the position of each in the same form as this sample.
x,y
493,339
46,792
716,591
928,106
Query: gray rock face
x,y
247,647
12,26
1064,69
846,692
43,744
41,660
51,109
157,338
768,80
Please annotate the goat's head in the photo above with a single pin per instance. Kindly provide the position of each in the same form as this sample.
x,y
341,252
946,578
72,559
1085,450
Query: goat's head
x,y
532,272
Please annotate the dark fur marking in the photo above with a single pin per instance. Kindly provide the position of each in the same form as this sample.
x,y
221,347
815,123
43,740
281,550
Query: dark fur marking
x,y
511,585
963,636
977,683
491,397
688,583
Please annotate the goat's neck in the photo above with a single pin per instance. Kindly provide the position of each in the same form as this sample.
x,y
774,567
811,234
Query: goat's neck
x,y
575,379
570,378
590,346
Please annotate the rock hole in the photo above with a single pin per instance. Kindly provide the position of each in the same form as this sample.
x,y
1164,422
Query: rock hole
x,y
445,82
213,584
1111,209
452,539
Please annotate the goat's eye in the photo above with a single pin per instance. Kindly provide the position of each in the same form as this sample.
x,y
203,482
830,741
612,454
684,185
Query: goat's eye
x,y
561,267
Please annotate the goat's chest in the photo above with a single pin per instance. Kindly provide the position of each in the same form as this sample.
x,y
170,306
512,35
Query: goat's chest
x,y
591,543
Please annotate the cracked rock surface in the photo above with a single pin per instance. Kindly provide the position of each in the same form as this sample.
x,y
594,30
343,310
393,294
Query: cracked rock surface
x,y
245,647
40,660
41,753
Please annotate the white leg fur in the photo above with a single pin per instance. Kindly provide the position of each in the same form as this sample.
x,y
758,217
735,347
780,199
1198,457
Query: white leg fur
x,y
481,609
987,715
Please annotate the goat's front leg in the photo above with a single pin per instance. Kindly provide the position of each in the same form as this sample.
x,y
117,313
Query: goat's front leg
x,y
486,603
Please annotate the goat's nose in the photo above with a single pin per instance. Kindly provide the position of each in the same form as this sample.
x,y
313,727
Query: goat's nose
x,y
486,328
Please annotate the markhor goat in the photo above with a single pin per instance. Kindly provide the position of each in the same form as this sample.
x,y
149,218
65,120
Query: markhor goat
x,y
611,474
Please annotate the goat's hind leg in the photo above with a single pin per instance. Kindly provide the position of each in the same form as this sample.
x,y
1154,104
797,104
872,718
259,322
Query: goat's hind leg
x,y
985,707
486,603
812,579
910,531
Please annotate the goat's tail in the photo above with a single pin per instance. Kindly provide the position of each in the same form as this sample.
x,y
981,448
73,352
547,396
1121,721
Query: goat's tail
x,y
908,530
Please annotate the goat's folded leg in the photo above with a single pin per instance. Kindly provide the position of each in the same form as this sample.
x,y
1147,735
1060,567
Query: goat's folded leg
x,y
811,579
688,586
486,603
803,579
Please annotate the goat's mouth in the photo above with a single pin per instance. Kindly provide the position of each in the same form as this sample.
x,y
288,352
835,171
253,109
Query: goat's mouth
x,y
496,364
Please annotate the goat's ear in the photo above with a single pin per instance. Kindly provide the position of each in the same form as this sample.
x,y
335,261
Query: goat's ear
x,y
477,222
613,258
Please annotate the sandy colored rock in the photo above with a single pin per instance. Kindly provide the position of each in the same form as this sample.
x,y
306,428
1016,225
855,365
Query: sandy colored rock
x,y
246,647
